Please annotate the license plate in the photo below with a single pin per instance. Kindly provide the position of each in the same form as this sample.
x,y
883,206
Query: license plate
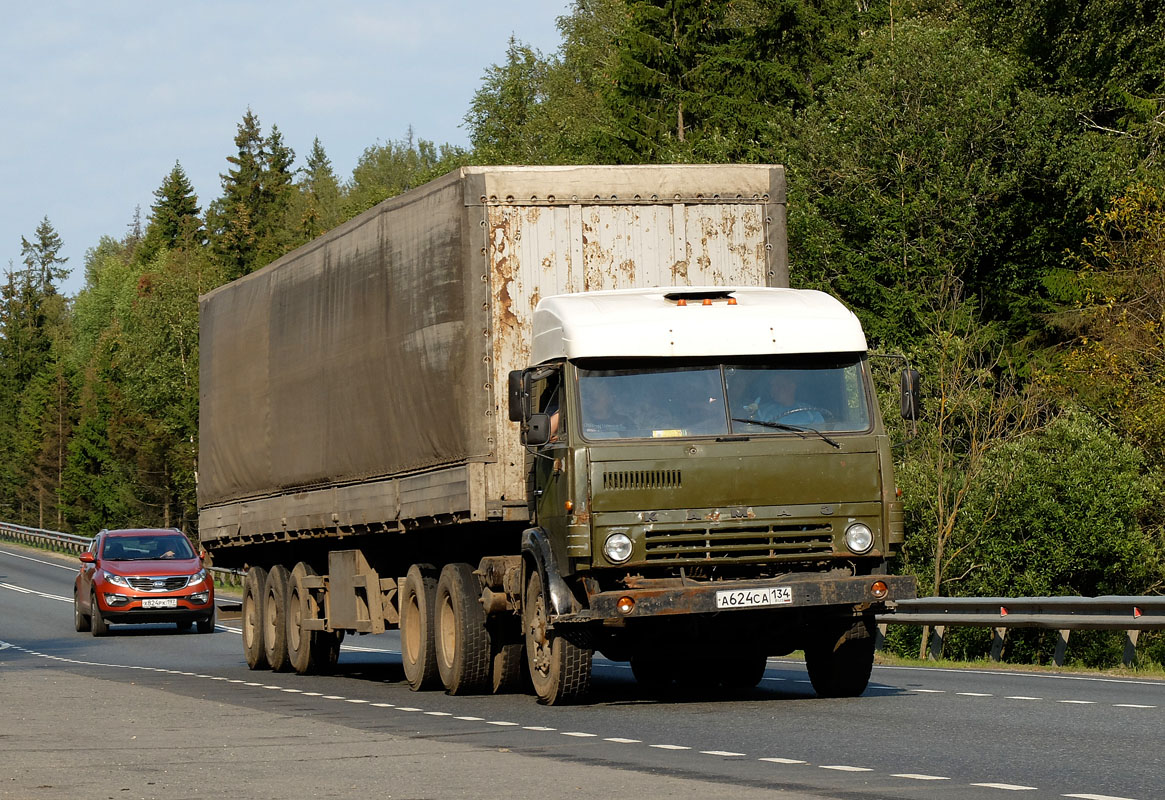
x,y
752,598
159,602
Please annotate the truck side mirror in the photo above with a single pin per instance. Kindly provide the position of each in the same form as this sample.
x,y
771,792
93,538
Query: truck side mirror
x,y
909,395
517,404
537,431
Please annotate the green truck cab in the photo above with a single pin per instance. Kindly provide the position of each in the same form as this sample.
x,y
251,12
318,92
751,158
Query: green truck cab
x,y
711,483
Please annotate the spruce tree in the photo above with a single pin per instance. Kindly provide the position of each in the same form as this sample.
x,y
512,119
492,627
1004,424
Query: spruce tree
x,y
174,219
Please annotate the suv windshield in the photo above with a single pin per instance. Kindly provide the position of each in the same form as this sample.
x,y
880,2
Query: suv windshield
x,y
764,397
147,548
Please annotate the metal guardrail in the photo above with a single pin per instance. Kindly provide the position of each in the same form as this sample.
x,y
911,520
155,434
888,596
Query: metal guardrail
x,y
935,614
71,543
1061,614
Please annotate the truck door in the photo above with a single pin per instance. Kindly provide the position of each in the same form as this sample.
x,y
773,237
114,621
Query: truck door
x,y
551,464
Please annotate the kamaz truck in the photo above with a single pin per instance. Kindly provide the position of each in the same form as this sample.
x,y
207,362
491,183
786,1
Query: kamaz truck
x,y
529,414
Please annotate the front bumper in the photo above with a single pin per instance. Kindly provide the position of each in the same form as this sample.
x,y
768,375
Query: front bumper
x,y
804,591
185,609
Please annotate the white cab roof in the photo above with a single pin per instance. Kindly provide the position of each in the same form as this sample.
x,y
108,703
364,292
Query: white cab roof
x,y
652,323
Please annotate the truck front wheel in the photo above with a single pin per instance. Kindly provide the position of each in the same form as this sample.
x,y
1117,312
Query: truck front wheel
x,y
840,663
417,598
253,618
462,640
560,670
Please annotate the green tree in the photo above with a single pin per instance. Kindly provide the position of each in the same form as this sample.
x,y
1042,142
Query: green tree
x,y
386,170
174,216
42,258
320,195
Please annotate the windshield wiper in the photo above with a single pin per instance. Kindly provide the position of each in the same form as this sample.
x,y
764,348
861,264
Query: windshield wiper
x,y
784,426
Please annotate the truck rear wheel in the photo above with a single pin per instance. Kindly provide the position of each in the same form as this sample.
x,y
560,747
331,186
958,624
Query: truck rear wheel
x,y
253,618
303,647
462,641
560,670
839,665
275,618
509,654
742,670
418,596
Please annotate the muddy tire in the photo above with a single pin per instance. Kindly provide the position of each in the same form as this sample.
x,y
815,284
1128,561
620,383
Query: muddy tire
x,y
275,618
417,649
303,647
252,618
507,660
560,670
461,638
97,624
840,666
80,621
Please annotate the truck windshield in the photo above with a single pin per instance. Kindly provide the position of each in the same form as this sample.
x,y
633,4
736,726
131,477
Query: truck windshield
x,y
768,397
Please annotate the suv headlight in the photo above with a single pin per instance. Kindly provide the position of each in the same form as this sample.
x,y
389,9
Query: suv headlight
x,y
617,548
197,578
116,580
859,538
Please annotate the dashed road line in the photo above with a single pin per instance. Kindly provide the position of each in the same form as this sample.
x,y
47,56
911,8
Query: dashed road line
x,y
1007,787
916,777
846,768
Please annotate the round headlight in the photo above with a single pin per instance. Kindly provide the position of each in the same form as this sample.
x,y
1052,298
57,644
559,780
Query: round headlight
x,y
859,538
617,548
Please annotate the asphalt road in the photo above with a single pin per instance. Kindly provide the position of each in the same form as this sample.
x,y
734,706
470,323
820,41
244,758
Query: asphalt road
x,y
151,712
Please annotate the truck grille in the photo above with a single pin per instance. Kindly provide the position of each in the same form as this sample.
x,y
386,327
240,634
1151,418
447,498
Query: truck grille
x,y
169,583
643,479
775,543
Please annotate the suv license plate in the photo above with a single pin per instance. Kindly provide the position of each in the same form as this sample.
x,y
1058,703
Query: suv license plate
x,y
159,602
752,598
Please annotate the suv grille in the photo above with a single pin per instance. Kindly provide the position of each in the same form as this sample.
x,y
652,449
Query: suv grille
x,y
169,583
769,543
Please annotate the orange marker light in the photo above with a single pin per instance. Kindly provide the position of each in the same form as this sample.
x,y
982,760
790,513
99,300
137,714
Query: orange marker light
x,y
707,301
626,604
731,301
569,505
879,589
681,302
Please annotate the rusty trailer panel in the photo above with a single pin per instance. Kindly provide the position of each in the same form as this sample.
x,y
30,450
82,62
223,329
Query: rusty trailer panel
x,y
804,592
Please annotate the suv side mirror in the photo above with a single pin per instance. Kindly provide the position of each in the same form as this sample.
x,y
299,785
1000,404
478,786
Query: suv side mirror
x,y
909,394
87,558
517,396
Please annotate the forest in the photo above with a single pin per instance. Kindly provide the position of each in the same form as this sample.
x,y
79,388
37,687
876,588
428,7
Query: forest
x,y
982,182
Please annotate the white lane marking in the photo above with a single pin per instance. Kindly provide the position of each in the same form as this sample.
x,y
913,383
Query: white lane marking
x,y
384,705
434,713
408,708
294,691
471,719
725,753
775,760
846,768
621,740
70,568
973,694
1007,787
914,776
355,700
929,691
579,734
1022,697
1130,705
1095,797
22,590
332,697
1078,702
1031,675
541,728
669,747
500,722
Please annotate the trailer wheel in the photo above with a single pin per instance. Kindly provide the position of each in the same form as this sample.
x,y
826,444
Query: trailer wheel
x,y
275,618
652,672
560,670
303,645
417,652
462,640
252,618
80,621
327,650
839,665
509,656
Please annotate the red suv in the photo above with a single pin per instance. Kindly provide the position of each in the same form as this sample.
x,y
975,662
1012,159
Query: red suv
x,y
142,576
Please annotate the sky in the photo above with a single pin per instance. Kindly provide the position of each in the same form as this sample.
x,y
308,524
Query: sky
x,y
99,100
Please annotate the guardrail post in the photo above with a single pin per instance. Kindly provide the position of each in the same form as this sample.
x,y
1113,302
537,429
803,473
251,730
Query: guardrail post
x,y
1130,655
936,642
998,636
880,636
922,645
1061,646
